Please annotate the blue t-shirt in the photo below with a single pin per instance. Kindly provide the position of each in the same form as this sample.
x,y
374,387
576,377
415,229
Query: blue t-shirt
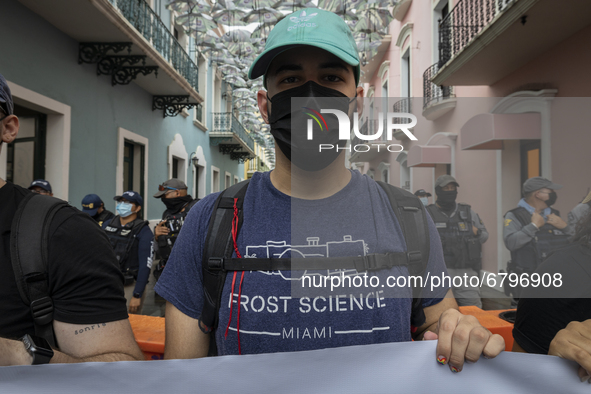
x,y
357,220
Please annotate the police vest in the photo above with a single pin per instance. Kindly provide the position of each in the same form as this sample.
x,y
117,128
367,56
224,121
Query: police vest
x,y
103,217
547,239
125,243
174,222
461,248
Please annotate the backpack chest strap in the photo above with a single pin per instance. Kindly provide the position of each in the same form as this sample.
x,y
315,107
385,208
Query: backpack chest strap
x,y
371,262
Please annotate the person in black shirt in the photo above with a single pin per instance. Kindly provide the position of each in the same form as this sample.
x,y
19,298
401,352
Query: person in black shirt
x,y
89,318
556,320
94,206
173,194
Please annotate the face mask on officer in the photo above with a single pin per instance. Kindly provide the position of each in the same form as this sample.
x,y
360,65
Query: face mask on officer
x,y
552,197
296,146
124,209
446,199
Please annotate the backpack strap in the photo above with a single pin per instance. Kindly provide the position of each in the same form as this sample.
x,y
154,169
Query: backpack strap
x,y
219,243
29,252
412,217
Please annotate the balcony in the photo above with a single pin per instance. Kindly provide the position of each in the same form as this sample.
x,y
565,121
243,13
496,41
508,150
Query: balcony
x,y
132,40
437,100
231,137
483,41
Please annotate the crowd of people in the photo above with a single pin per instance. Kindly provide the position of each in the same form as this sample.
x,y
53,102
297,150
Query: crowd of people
x,y
72,306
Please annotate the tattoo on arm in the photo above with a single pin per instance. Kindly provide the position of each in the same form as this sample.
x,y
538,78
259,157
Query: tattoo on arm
x,y
90,328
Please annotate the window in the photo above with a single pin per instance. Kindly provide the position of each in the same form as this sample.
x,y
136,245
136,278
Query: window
x,y
26,155
531,159
228,182
439,14
175,167
133,167
405,74
132,172
201,111
215,179
236,180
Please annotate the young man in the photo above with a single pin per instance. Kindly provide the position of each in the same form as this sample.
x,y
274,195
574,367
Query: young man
x,y
89,318
462,234
94,206
307,199
178,202
132,241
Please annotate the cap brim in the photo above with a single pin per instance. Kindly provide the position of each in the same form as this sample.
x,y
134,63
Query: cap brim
x,y
117,198
160,194
91,212
263,61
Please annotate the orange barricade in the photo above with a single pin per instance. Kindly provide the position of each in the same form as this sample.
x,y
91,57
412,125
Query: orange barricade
x,y
149,334
492,321
149,330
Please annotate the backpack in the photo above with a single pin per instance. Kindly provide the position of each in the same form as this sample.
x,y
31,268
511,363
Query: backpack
x,y
29,252
217,257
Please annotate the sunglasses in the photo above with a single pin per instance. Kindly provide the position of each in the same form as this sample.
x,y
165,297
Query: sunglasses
x,y
163,188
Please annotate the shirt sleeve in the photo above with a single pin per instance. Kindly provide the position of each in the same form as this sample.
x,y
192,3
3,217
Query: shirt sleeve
x,y
479,224
145,255
86,284
181,282
515,235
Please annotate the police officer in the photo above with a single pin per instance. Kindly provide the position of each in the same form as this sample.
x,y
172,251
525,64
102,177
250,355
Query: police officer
x,y
423,195
173,194
533,229
462,235
131,239
579,212
94,206
41,186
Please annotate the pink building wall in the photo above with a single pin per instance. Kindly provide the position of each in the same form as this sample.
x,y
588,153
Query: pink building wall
x,y
490,179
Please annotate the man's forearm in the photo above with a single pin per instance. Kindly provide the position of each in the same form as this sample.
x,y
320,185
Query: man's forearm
x,y
62,358
13,352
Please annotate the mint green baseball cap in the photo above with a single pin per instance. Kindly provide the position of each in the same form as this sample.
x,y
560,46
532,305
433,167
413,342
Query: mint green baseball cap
x,y
309,26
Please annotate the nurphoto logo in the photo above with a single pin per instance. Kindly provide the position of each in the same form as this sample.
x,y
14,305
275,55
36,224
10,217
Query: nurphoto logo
x,y
393,122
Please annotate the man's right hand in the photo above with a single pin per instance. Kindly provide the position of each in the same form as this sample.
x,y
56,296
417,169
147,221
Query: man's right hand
x,y
537,219
574,343
161,229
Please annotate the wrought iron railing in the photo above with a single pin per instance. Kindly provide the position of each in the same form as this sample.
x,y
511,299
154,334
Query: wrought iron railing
x,y
148,24
226,122
464,22
402,106
431,92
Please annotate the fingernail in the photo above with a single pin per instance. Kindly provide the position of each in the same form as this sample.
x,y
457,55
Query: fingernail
x,y
454,369
441,360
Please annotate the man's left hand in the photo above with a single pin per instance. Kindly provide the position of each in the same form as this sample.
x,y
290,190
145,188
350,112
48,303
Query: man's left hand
x,y
462,337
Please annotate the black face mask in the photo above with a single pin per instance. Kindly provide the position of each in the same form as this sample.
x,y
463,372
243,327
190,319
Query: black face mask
x,y
446,199
174,205
295,145
552,197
